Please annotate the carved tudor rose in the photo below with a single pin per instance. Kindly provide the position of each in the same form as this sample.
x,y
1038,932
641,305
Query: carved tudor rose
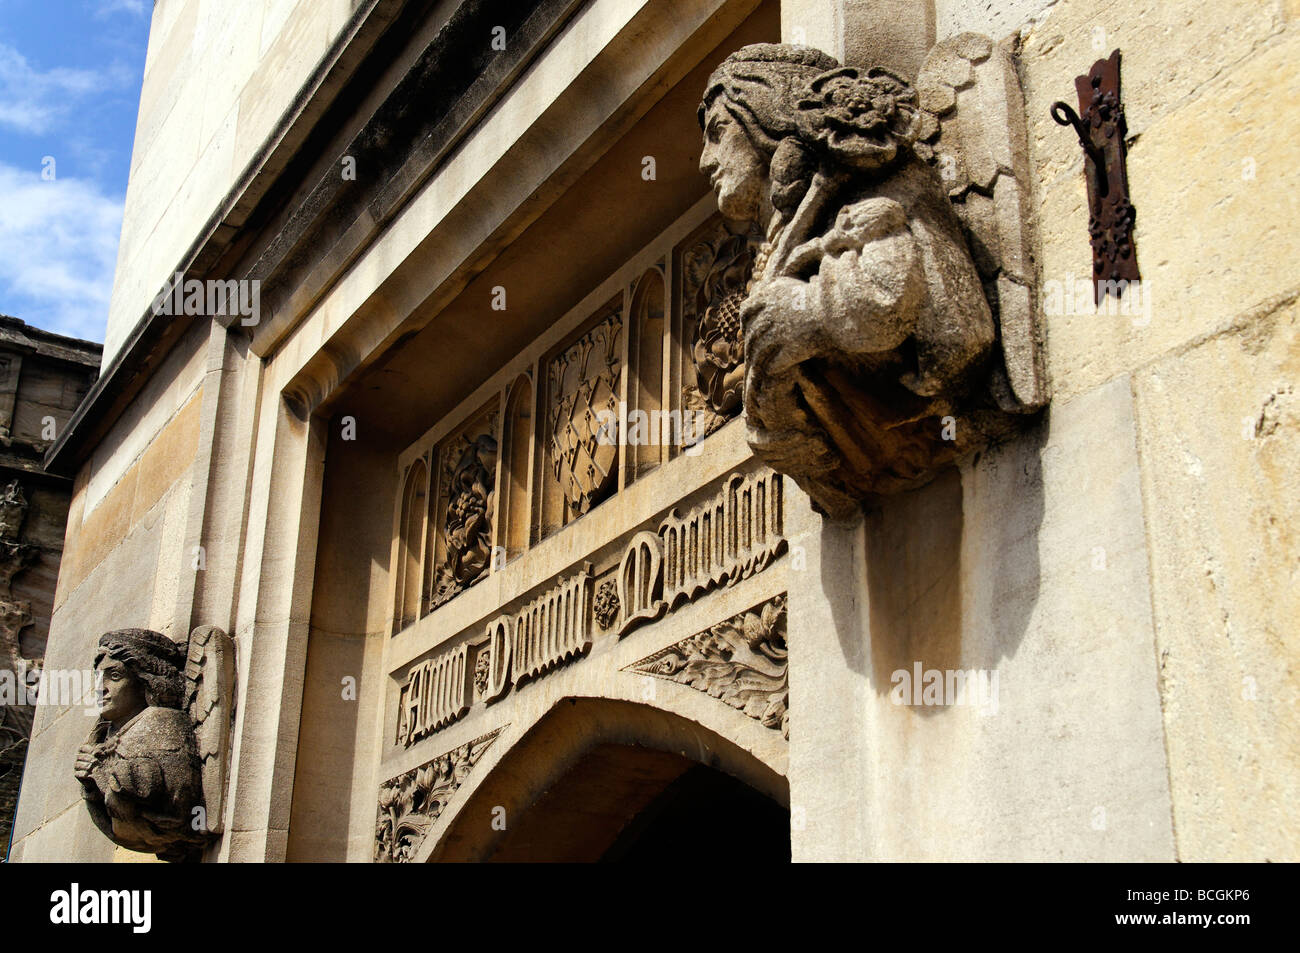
x,y
872,355
153,771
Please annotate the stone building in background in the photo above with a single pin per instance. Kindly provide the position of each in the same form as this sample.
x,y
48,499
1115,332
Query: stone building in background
x,y
43,378
939,562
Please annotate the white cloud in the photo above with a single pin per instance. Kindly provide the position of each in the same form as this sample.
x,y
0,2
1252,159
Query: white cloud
x,y
58,249
32,100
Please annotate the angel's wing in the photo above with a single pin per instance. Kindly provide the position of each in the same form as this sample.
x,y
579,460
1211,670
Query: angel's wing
x,y
974,133
209,699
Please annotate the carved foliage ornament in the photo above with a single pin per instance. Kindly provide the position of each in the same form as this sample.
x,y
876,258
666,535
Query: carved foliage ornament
x,y
410,803
868,321
153,770
742,661
717,265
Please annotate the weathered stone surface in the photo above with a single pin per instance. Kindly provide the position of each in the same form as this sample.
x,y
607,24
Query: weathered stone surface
x,y
1221,482
866,325
42,378
1239,186
155,762
1065,558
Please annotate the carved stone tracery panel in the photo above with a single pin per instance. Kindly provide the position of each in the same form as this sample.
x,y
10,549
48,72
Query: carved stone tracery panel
x,y
465,509
583,382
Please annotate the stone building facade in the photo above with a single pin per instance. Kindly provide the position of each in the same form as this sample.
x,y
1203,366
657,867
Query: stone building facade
x,y
43,377
538,537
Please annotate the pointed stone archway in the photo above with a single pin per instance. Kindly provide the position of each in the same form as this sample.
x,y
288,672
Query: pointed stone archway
x,y
601,779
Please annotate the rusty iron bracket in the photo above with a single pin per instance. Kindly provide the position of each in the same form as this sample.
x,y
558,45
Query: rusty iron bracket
x,y
1102,130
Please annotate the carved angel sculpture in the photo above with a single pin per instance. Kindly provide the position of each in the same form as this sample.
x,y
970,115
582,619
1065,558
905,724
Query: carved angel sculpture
x,y
153,770
868,334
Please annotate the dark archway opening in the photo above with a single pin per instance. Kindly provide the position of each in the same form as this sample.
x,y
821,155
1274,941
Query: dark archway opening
x,y
626,803
705,807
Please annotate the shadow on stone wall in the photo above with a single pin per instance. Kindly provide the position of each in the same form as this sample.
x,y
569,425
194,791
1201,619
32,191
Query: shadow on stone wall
x,y
967,539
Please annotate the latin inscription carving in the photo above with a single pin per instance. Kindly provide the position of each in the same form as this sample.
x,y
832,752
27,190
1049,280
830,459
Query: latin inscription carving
x,y
437,692
549,631
723,540
553,628
729,537
641,581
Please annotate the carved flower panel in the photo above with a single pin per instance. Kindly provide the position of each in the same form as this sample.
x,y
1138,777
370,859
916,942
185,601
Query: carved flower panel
x,y
715,265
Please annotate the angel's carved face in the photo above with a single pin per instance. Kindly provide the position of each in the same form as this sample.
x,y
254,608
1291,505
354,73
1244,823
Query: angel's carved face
x,y
735,167
121,694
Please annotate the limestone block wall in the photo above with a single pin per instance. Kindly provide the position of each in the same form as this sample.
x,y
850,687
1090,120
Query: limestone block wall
x,y
123,565
1126,567
1129,567
1208,371
218,76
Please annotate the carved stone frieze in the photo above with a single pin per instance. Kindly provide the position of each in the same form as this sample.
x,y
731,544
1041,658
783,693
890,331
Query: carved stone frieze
x,y
583,388
410,803
729,536
876,351
153,771
641,582
719,542
742,661
465,509
716,266
549,631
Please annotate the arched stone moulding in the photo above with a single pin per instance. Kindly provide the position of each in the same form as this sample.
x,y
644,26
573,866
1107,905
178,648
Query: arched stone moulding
x,y
528,755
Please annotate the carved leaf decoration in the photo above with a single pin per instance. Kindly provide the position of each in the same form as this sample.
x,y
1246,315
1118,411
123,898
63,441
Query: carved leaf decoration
x,y
411,803
717,270
467,499
741,661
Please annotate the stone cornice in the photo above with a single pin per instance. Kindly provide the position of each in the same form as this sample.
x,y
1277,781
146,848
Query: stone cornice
x,y
322,227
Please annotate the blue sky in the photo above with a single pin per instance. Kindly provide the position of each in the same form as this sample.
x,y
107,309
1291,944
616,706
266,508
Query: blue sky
x,y
70,75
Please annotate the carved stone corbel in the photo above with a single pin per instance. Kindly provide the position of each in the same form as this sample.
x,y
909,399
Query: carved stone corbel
x,y
890,326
